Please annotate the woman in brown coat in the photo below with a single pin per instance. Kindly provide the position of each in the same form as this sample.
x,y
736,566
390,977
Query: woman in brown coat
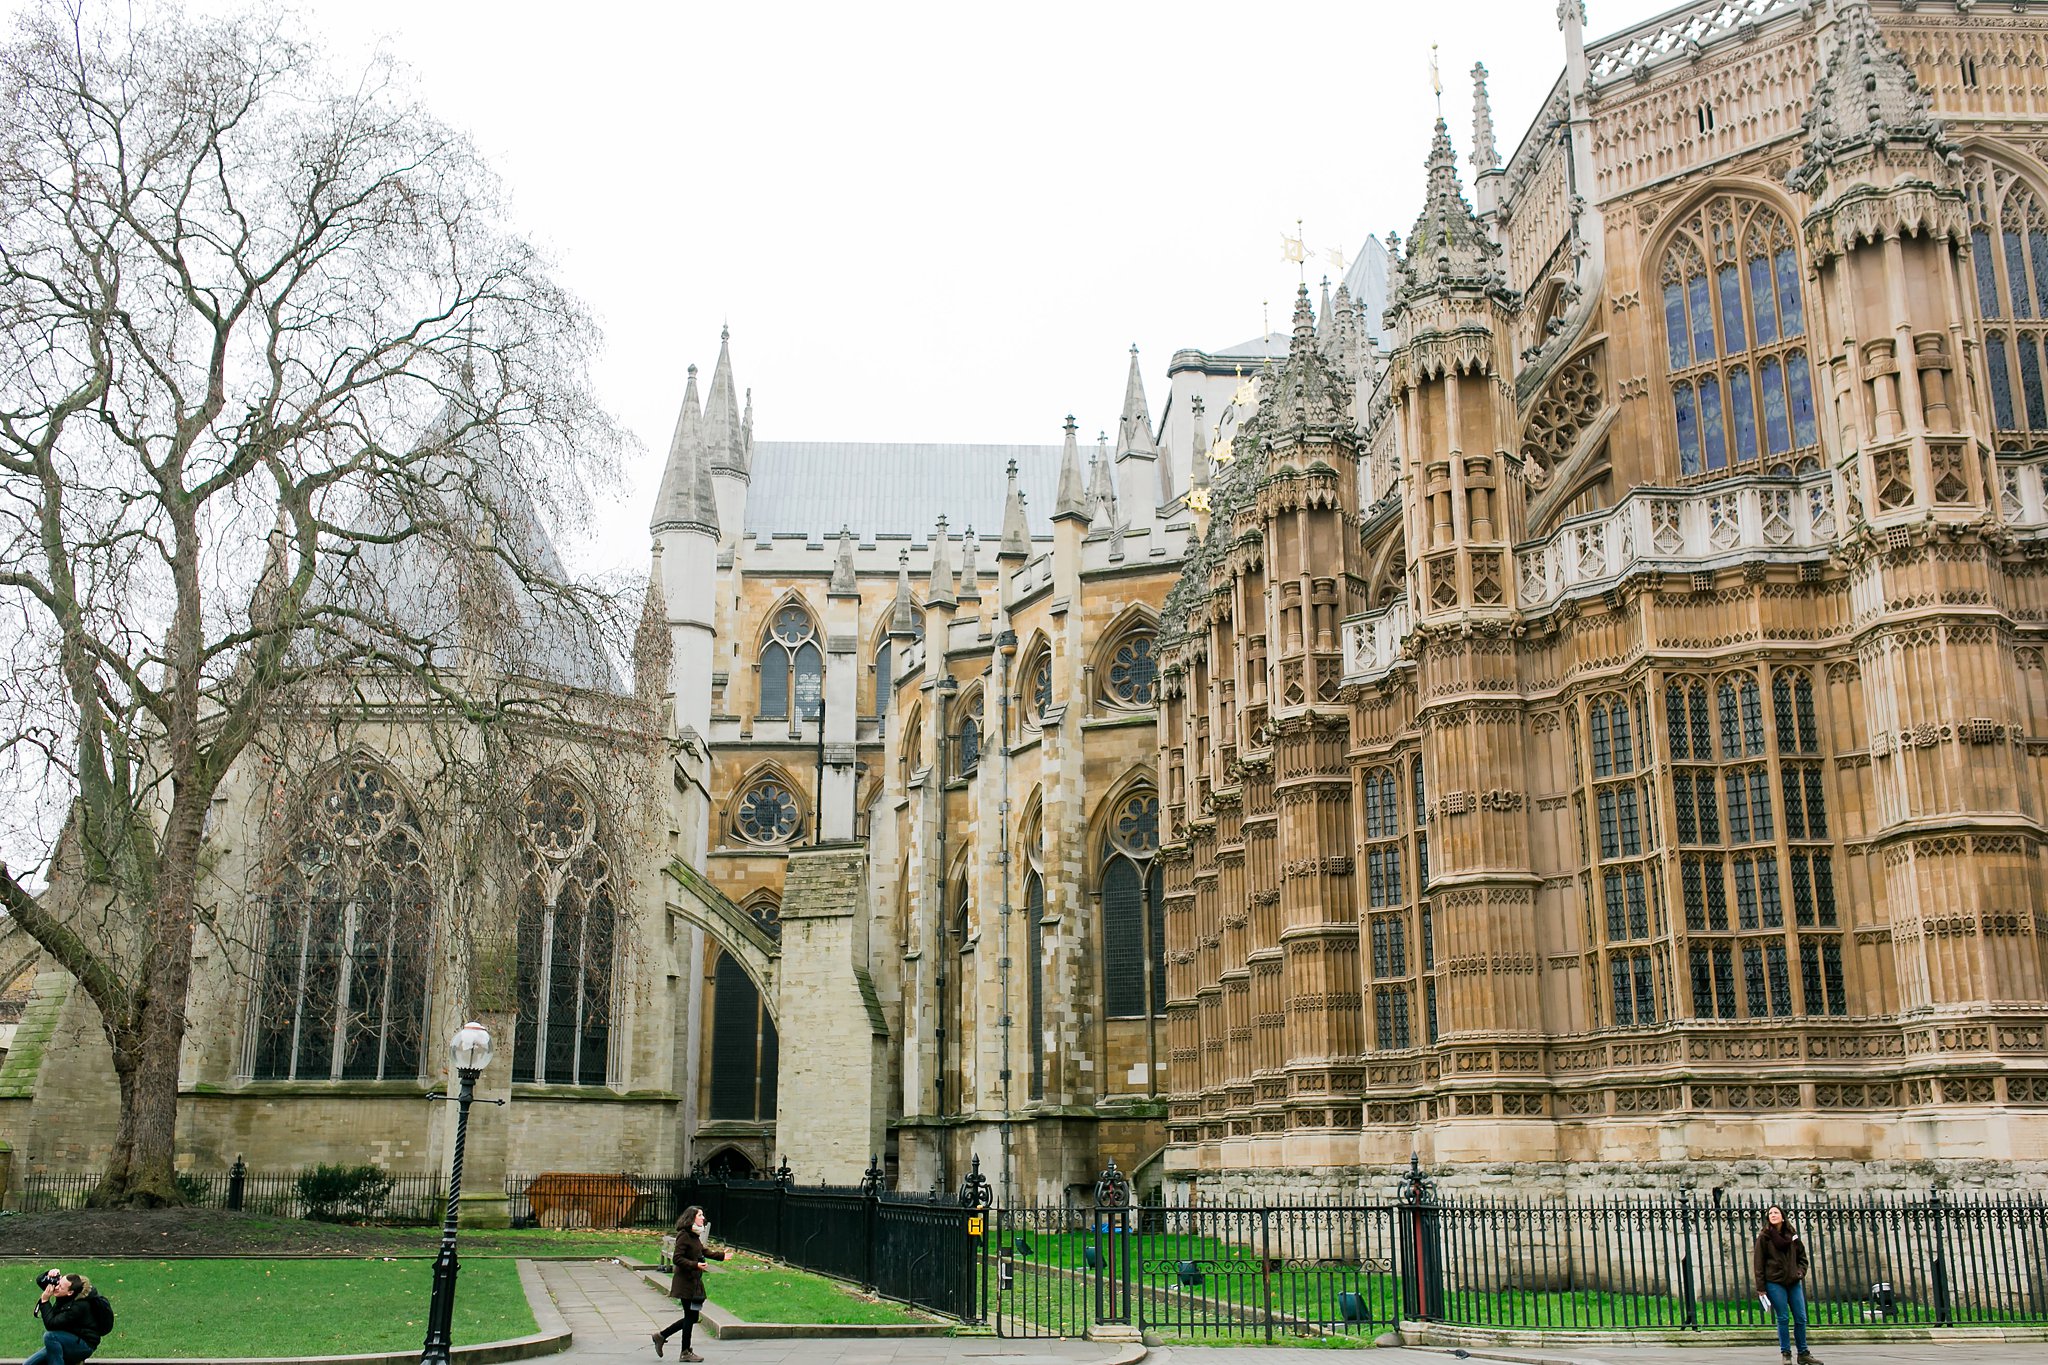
x,y
1779,1263
688,1286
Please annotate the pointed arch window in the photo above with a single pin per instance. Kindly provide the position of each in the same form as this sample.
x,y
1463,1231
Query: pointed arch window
x,y
744,1048
1035,956
791,666
1035,687
2009,252
344,969
885,664
1735,343
568,923
1134,910
967,735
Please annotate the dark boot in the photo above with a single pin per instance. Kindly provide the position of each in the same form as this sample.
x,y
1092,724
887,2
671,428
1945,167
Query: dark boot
x,y
659,1342
1809,1358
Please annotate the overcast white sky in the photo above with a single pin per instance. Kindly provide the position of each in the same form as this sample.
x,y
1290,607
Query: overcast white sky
x,y
945,222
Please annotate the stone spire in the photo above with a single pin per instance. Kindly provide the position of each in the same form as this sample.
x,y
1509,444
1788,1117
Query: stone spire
x,y
653,648
725,429
1102,492
1072,500
1134,428
970,573
843,582
1326,319
942,590
1448,248
1016,542
1485,156
903,614
1307,392
1866,104
747,431
686,500
1198,457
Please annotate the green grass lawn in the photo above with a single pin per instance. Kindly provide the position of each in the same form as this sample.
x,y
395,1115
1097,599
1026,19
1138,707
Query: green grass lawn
x,y
226,1308
760,1291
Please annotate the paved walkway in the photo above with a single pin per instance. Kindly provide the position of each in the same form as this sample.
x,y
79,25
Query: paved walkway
x,y
612,1311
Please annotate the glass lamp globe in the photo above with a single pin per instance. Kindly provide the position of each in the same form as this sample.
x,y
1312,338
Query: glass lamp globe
x,y
470,1049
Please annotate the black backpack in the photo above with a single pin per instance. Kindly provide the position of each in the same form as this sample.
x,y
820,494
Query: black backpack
x,y
102,1313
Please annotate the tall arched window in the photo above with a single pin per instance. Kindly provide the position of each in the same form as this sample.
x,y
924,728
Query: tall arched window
x,y
791,665
1734,331
1034,952
967,734
344,971
567,937
2009,251
1134,910
1035,686
744,1047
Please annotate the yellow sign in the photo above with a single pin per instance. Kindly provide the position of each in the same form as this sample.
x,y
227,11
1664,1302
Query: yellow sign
x,y
1223,452
974,1227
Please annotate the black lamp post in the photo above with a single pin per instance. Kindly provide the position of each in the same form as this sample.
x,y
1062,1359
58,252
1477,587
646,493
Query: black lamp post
x,y
471,1053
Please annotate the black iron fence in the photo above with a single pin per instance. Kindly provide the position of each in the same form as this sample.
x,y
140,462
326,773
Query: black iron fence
x,y
925,1250
334,1194
1226,1270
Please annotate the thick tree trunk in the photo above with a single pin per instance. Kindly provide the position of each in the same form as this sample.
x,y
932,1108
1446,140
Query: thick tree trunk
x,y
148,1046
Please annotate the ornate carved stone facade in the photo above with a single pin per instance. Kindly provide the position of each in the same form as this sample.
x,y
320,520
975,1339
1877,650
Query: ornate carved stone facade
x,y
1606,728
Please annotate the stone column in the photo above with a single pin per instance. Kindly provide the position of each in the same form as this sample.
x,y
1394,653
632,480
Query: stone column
x,y
828,1119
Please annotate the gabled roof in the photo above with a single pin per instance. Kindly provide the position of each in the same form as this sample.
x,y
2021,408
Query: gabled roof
x,y
880,488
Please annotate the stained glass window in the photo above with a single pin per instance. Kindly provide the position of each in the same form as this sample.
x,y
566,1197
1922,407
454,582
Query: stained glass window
x,y
1132,678
1741,384
567,929
791,666
2009,251
1038,687
343,993
766,812
1134,910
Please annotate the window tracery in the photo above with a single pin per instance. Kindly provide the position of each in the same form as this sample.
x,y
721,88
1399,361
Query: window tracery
x,y
1753,834
1036,687
1133,909
791,666
967,734
1032,846
2009,254
344,984
1734,323
1131,679
567,942
767,812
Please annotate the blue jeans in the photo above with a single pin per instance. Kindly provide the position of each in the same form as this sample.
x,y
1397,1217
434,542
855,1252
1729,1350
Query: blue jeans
x,y
61,1348
1788,1305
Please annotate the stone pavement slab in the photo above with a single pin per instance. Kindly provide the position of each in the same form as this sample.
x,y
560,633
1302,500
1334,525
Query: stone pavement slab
x,y
613,1312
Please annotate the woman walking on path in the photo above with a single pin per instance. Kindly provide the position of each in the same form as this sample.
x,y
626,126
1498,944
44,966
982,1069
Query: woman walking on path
x,y
1779,1263
688,1286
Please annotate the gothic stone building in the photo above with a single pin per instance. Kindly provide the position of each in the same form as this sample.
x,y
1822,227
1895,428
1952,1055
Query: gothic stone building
x,y
1574,702
1610,730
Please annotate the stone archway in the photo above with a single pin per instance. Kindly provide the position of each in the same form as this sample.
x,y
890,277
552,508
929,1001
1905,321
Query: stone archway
x,y
696,902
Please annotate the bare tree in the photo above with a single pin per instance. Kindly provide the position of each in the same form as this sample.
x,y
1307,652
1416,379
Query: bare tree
x,y
281,399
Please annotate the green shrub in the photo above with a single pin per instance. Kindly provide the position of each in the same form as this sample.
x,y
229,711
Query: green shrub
x,y
193,1189
343,1194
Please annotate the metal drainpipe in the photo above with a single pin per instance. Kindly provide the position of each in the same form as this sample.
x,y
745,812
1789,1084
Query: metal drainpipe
x,y
1006,644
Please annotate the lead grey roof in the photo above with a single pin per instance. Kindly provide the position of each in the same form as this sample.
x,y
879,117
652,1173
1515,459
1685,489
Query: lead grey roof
x,y
812,488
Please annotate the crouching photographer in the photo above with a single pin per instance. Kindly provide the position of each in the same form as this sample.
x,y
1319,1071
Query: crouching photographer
x,y
75,1316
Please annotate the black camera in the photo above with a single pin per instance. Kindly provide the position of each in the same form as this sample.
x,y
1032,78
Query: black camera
x,y
48,1278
